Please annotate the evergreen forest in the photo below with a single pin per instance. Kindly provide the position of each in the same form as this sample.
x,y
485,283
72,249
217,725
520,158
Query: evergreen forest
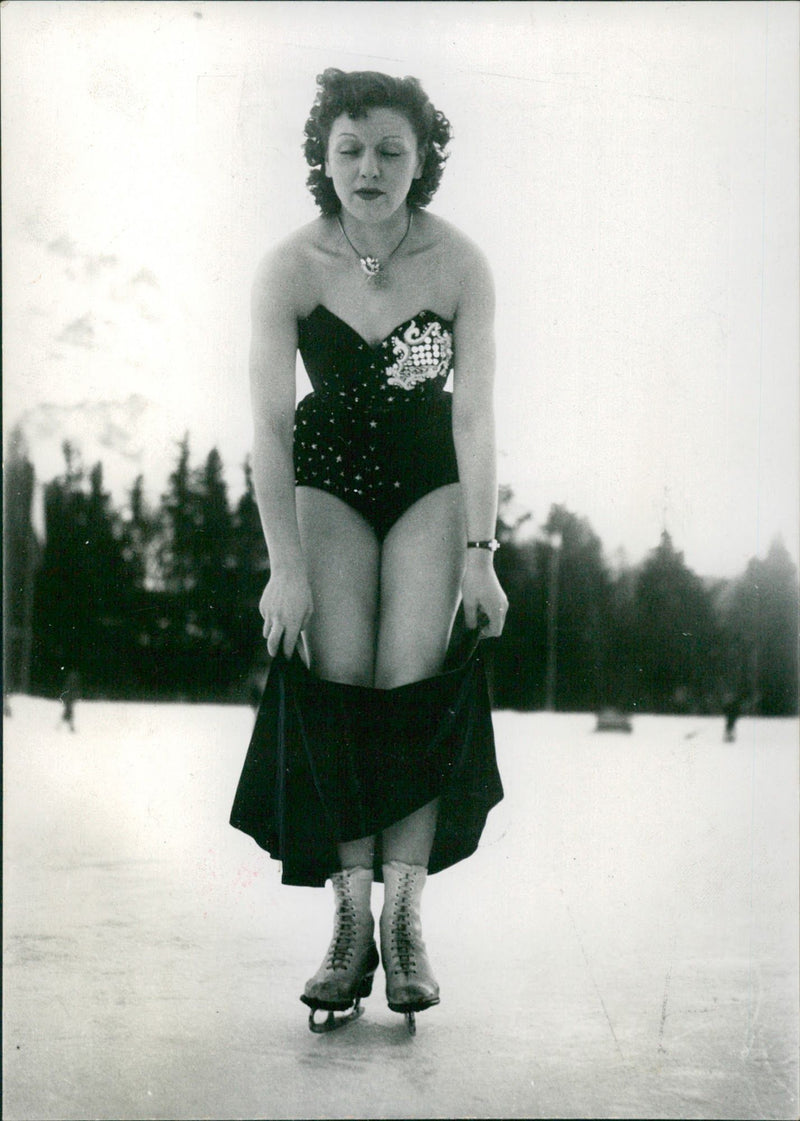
x,y
162,604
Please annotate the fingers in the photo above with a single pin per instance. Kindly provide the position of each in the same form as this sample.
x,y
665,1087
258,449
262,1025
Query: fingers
x,y
490,628
490,624
278,634
291,634
290,637
482,619
273,632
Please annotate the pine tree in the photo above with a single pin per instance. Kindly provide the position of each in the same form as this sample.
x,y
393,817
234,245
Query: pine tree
x,y
140,539
180,518
82,586
20,559
198,628
250,548
582,610
251,567
213,562
678,642
761,625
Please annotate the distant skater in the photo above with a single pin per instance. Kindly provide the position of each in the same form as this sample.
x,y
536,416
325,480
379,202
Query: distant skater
x,y
69,698
372,756
732,708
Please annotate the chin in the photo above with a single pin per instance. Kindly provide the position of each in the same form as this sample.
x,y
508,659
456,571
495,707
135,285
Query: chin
x,y
382,202
383,207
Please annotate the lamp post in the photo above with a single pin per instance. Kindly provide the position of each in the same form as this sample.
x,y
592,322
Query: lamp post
x,y
555,541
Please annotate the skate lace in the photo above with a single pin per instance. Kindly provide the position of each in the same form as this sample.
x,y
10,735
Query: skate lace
x,y
403,943
342,948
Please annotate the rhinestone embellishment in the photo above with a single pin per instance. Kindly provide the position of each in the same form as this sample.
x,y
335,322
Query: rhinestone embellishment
x,y
420,355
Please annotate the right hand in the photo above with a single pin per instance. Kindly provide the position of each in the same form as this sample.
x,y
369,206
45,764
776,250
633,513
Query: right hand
x,y
286,607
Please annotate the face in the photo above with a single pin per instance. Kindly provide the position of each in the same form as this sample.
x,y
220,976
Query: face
x,y
373,162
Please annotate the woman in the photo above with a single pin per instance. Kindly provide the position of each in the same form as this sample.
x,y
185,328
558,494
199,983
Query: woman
x,y
378,500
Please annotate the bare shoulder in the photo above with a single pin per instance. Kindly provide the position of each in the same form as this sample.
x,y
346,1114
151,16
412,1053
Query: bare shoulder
x,y
458,245
285,275
463,261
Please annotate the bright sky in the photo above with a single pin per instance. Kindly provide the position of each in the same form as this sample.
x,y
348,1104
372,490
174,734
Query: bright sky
x,y
631,171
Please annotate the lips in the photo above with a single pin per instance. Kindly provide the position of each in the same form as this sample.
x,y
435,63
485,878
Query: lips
x,y
369,193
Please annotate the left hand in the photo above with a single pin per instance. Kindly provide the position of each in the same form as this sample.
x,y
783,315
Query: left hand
x,y
485,602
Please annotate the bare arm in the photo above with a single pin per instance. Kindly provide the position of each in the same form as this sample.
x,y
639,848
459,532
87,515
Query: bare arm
x,y
286,603
474,437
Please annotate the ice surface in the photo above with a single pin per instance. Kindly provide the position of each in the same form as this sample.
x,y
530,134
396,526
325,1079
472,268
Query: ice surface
x,y
624,943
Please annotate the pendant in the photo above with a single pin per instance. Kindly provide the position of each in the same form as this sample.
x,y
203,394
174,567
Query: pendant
x,y
371,266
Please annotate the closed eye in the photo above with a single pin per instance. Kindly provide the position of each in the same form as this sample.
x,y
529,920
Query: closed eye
x,y
357,152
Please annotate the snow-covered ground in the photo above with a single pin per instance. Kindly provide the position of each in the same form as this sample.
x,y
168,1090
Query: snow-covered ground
x,y
624,943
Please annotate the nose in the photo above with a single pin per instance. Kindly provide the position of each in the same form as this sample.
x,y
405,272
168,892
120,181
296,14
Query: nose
x,y
369,165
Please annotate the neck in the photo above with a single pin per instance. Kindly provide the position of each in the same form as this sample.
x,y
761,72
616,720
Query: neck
x,y
376,239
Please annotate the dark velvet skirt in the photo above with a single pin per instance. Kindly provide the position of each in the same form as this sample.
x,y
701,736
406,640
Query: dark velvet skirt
x,y
329,762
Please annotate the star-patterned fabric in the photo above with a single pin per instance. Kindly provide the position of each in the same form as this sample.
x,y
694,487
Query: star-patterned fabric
x,y
377,429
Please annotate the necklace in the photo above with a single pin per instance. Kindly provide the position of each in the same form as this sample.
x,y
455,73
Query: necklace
x,y
371,266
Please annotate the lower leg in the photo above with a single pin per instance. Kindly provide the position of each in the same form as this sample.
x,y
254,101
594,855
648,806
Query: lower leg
x,y
357,854
411,839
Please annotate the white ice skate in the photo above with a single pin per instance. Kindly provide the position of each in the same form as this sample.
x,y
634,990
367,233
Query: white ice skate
x,y
410,984
346,975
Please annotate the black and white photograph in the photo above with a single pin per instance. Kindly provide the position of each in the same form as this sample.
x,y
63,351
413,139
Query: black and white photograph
x,y
401,532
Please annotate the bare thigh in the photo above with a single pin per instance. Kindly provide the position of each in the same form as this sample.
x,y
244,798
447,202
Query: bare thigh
x,y
343,558
422,566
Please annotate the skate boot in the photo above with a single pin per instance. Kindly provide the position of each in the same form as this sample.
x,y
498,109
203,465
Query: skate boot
x,y
410,984
346,974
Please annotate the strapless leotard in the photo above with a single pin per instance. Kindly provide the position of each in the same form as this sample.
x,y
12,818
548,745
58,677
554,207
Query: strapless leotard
x,y
377,430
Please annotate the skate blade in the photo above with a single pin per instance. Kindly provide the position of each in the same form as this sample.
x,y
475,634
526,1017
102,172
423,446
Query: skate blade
x,y
409,1008
332,1022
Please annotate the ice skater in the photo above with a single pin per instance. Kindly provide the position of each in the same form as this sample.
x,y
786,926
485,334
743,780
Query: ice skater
x,y
69,698
372,756
732,710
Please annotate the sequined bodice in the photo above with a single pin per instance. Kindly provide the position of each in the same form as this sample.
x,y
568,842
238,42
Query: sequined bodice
x,y
408,366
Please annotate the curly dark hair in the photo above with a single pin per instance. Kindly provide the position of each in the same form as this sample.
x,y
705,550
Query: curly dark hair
x,y
356,93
